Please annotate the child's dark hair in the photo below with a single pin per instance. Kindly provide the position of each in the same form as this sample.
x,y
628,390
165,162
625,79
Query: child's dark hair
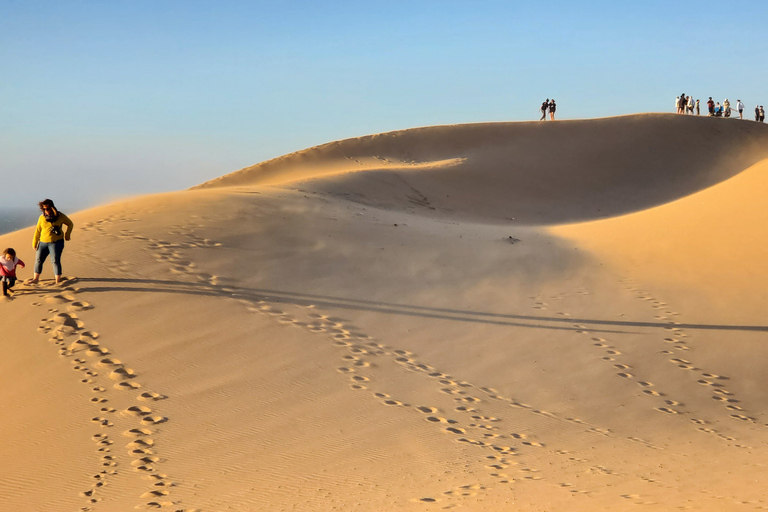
x,y
10,251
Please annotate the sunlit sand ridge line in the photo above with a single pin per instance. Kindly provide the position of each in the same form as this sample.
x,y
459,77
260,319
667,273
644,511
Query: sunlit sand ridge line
x,y
526,173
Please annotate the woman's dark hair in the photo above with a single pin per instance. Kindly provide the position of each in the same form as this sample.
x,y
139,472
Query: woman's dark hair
x,y
10,251
46,202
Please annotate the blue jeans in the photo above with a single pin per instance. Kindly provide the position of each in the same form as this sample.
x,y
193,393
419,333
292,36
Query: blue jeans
x,y
54,249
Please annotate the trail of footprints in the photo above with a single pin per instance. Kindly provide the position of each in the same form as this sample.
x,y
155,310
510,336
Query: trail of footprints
x,y
677,341
503,449
98,369
163,250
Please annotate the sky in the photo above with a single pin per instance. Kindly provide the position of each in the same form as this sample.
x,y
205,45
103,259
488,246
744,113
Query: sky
x,y
105,100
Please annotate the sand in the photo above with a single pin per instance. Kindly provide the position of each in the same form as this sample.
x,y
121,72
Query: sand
x,y
508,316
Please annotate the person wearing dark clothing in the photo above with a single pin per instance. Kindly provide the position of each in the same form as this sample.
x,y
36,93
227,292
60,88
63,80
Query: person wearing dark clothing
x,y
711,106
762,114
544,107
757,113
552,108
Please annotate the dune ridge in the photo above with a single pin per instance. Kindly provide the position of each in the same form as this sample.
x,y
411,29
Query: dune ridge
x,y
529,172
302,336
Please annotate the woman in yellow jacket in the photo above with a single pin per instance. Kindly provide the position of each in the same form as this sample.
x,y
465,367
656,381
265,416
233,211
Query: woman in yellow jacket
x,y
49,238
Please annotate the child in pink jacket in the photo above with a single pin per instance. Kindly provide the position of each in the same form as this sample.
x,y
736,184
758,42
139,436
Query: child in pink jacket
x,y
8,264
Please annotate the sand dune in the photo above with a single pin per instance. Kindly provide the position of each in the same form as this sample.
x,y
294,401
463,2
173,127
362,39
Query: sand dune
x,y
360,326
532,173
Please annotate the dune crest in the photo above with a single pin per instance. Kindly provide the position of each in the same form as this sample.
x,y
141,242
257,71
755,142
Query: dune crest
x,y
530,173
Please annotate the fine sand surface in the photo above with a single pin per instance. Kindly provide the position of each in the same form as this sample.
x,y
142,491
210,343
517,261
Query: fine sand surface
x,y
511,316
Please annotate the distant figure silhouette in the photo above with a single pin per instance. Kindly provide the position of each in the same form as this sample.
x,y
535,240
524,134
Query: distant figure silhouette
x,y
544,107
552,108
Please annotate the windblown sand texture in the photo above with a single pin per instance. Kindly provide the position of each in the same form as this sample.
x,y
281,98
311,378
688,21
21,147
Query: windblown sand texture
x,y
512,316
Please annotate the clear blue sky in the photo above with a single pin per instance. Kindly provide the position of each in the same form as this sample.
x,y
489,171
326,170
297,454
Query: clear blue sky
x,y
102,99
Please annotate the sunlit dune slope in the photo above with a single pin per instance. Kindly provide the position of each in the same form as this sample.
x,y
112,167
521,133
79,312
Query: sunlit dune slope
x,y
532,172
714,242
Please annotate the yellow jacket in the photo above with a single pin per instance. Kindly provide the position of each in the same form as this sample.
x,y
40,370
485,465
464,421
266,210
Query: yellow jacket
x,y
45,230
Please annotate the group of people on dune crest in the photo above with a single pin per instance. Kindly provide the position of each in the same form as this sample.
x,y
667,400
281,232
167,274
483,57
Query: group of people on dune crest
x,y
686,105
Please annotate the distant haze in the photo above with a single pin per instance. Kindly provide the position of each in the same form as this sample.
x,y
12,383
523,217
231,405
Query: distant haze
x,y
13,219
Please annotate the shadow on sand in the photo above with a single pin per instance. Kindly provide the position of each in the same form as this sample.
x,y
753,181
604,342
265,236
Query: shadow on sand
x,y
105,285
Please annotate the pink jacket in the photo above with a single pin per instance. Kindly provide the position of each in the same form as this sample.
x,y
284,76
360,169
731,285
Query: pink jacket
x,y
8,267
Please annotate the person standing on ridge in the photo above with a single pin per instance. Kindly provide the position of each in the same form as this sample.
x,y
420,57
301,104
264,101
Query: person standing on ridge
x,y
552,108
49,239
544,107
677,104
762,114
690,105
698,111
740,107
757,113
711,106
727,108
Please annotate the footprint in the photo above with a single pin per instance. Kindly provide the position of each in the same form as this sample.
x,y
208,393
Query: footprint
x,y
153,420
96,351
137,432
154,494
122,374
437,419
102,421
150,395
127,386
145,461
140,444
137,411
110,363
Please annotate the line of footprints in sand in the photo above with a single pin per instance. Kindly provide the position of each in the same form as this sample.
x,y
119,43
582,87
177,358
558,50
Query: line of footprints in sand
x,y
503,451
102,372
501,454
678,343
472,424
163,250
